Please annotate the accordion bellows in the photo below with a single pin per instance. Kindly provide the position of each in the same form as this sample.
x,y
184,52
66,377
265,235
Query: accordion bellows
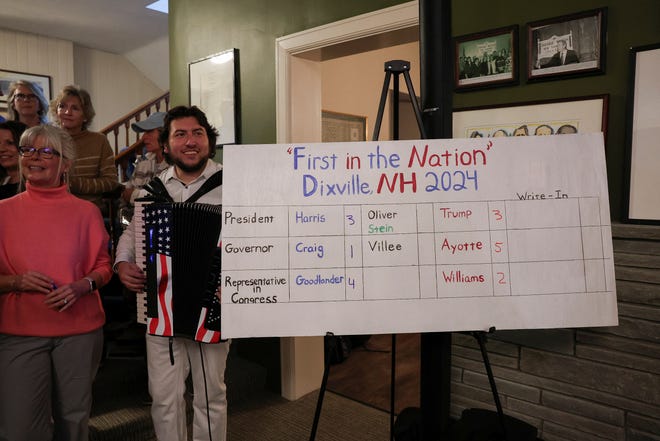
x,y
182,259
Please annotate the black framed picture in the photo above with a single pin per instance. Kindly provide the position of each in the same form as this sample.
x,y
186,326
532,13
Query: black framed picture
x,y
569,45
9,76
560,116
486,59
642,133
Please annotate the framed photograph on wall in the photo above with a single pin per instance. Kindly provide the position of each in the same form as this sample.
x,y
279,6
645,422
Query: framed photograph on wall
x,y
642,204
586,114
214,88
8,76
486,59
340,127
569,45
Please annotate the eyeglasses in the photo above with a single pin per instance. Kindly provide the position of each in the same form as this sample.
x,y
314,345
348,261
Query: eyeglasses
x,y
24,97
44,152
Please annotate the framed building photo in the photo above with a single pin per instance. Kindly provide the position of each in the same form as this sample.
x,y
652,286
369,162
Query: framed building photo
x,y
486,59
567,46
7,77
642,203
586,114
340,127
214,88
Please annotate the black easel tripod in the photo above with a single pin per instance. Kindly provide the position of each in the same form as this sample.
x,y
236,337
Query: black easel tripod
x,y
522,431
396,68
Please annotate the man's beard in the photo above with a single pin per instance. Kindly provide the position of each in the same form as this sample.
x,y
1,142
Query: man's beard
x,y
190,168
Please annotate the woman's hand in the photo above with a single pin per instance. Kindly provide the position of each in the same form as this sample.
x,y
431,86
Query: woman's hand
x,y
33,281
63,297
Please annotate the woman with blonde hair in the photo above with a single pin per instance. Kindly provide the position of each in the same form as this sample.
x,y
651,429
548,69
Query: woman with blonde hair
x,y
94,172
27,103
53,258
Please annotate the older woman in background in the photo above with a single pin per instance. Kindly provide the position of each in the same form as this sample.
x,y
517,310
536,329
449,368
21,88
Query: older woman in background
x,y
53,257
27,103
94,172
10,133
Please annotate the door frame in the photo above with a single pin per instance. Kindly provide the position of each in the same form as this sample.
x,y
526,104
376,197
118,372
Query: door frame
x,y
298,118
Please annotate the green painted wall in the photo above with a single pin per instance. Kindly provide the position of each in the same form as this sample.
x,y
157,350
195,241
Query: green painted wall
x,y
202,27
629,23
199,28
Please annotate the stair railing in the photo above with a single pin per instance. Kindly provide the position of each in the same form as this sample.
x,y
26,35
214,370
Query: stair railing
x,y
124,140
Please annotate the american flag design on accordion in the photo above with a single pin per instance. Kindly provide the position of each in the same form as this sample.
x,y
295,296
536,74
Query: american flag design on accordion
x,y
183,247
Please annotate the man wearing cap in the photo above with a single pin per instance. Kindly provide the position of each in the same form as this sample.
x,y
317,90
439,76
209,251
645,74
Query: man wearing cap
x,y
152,163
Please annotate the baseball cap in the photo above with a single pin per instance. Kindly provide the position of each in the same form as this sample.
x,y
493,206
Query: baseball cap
x,y
154,121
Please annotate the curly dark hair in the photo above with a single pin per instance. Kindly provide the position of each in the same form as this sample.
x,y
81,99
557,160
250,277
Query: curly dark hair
x,y
183,112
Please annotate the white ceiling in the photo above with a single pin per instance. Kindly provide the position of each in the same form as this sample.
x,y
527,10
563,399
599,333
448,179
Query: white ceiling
x,y
116,26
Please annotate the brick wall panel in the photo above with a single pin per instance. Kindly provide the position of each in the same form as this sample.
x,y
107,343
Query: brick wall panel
x,y
556,432
621,402
637,260
636,435
553,340
645,312
646,275
589,409
644,424
504,387
492,346
607,431
619,381
475,354
633,361
638,292
622,344
473,393
636,247
635,328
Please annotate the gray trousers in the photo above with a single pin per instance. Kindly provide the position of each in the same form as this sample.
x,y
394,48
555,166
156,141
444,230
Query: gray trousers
x,y
46,386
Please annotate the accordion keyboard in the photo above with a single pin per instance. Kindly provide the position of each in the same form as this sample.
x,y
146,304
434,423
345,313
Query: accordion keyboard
x,y
140,297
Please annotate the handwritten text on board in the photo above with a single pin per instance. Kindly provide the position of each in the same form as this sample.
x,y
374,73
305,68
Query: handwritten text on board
x,y
412,236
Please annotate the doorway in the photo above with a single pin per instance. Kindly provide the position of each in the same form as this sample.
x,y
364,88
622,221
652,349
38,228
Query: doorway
x,y
314,70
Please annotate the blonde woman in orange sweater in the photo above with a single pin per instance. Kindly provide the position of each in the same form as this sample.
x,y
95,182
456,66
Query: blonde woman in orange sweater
x,y
53,257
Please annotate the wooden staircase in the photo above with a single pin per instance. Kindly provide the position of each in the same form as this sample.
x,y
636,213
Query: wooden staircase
x,y
123,140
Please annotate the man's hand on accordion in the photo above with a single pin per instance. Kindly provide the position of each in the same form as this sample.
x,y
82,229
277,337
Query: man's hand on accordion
x,y
132,276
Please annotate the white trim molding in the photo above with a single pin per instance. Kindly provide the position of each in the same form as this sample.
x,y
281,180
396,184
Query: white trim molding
x,y
394,18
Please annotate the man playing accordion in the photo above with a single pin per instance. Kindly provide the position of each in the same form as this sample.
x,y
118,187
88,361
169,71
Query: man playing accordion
x,y
188,144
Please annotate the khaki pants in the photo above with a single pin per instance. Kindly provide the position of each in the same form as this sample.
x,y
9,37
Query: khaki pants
x,y
167,388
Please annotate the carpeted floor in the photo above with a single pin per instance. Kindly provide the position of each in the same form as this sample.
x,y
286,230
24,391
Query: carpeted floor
x,y
273,418
121,410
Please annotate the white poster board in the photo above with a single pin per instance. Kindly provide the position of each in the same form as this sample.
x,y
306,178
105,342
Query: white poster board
x,y
644,203
416,236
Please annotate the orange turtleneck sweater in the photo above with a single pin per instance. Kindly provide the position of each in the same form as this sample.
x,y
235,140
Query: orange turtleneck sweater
x,y
51,231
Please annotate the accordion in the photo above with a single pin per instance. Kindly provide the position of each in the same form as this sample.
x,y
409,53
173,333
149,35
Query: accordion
x,y
182,255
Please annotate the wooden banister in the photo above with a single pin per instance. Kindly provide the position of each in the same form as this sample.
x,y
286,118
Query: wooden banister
x,y
130,140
